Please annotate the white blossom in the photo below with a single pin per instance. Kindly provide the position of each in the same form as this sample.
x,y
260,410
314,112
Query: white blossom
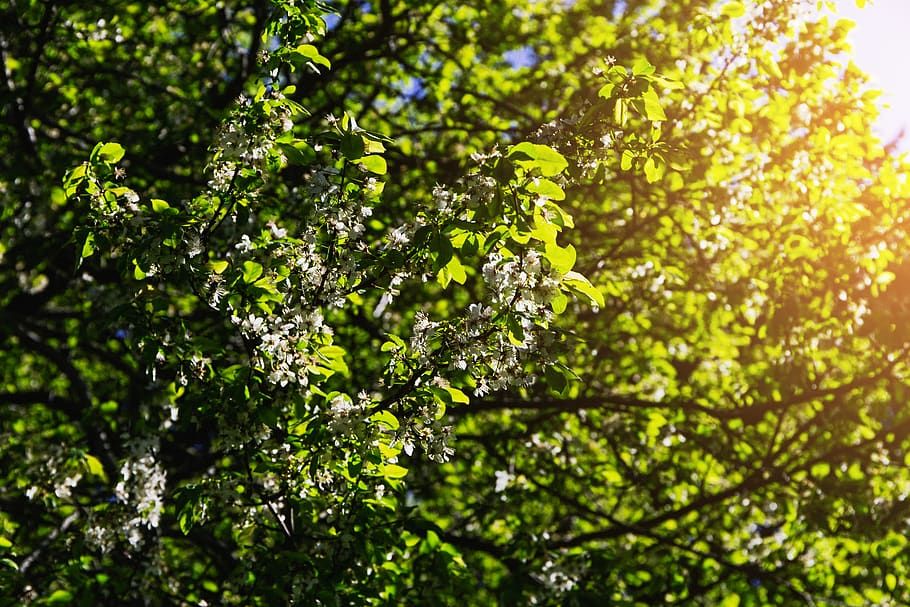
x,y
64,488
503,478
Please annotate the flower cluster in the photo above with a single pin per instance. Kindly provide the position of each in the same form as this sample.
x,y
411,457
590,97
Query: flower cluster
x,y
520,283
247,138
282,343
137,503
142,484
64,474
346,418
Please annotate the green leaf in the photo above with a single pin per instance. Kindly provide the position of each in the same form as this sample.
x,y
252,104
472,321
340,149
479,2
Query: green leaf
x,y
559,302
59,597
621,112
388,451
111,152
443,277
88,247
159,206
582,286
311,53
393,471
373,146
74,179
332,351
547,188
251,271
625,162
138,273
471,246
606,91
395,342
432,540
504,171
334,358
555,378
543,231
456,270
642,68
561,258
442,247
95,467
218,266
352,146
653,169
387,418
652,108
516,331
533,155
187,514
457,395
374,164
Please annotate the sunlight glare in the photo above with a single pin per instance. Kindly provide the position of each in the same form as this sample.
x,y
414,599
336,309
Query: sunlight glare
x,y
881,44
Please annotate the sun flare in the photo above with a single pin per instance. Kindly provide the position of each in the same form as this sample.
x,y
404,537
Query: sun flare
x,y
882,48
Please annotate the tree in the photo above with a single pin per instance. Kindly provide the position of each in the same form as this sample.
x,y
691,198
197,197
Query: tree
x,y
435,303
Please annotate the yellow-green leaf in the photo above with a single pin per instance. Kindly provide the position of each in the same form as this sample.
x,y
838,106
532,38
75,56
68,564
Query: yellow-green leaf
x,y
536,156
94,466
457,395
387,418
582,286
111,152
374,164
456,270
58,597
393,471
218,266
311,53
559,302
642,67
561,258
88,247
546,188
251,271
652,108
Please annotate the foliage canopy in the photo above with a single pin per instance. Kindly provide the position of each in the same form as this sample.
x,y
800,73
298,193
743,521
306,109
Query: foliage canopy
x,y
408,302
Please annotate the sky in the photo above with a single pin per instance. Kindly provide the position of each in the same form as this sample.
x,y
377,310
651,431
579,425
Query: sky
x,y
881,44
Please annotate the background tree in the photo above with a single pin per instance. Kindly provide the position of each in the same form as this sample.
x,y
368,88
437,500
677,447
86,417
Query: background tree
x,y
241,342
